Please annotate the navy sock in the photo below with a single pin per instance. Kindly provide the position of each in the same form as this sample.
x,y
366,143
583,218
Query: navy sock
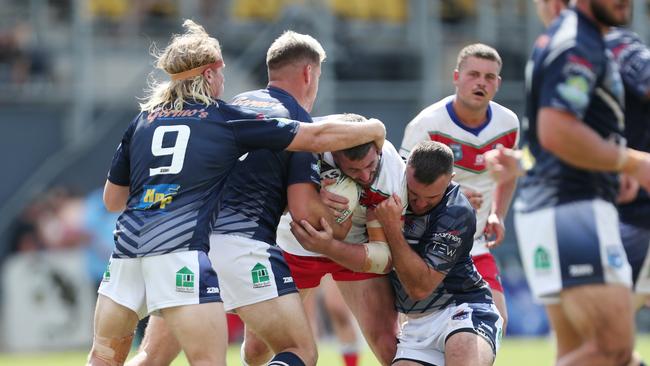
x,y
286,359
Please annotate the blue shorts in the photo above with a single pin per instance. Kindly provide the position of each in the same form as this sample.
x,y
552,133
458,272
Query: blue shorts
x,y
573,244
636,241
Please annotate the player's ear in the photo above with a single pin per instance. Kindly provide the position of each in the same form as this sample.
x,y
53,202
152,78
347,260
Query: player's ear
x,y
306,73
456,74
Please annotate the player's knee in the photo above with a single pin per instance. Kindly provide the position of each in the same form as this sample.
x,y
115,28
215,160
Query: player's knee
x,y
378,258
109,351
255,352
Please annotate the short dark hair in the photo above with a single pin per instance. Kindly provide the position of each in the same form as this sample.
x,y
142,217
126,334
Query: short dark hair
x,y
430,160
358,152
293,47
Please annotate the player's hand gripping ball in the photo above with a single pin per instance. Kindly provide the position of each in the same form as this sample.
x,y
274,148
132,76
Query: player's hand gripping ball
x,y
345,187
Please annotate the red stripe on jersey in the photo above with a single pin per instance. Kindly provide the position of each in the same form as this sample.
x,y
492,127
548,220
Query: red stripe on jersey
x,y
470,157
371,198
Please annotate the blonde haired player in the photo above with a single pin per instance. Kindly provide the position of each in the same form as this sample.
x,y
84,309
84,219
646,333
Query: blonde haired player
x,y
471,124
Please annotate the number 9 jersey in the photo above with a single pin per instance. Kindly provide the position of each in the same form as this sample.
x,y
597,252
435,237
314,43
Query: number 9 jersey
x,y
175,164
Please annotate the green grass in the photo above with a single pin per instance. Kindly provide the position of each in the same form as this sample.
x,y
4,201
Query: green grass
x,y
514,351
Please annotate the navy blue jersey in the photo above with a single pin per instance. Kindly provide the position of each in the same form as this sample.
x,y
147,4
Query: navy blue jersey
x,y
443,237
633,59
571,70
256,193
175,164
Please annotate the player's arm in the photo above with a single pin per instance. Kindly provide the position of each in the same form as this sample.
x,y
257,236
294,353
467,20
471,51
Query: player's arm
x,y
417,277
350,256
115,196
495,227
333,135
563,134
305,204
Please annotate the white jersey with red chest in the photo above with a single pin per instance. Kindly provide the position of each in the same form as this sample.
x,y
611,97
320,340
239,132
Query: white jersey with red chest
x,y
439,122
390,179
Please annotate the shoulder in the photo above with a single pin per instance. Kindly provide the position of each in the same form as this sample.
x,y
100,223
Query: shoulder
x,y
504,114
234,112
434,113
457,205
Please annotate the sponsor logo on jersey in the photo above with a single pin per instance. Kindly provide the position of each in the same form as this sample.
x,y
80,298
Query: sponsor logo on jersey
x,y
287,279
184,280
260,276
212,290
159,195
541,260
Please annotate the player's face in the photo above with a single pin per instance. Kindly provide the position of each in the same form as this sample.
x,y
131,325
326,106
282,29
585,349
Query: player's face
x,y
216,79
312,87
611,13
362,171
424,197
476,82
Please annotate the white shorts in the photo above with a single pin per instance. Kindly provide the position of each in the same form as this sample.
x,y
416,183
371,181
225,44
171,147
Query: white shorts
x,y
148,284
250,271
423,338
574,244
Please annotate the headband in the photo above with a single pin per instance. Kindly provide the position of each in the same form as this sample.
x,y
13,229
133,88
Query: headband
x,y
195,71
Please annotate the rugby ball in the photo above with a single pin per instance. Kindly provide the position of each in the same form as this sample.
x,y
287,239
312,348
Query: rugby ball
x,y
346,187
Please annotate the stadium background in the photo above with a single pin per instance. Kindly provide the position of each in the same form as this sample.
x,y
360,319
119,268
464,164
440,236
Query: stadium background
x,y
70,72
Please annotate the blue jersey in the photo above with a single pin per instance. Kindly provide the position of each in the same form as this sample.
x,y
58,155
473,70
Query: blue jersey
x,y
571,70
256,193
443,237
633,59
175,164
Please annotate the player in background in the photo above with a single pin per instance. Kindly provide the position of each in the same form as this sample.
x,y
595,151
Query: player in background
x,y
167,176
470,123
450,318
566,223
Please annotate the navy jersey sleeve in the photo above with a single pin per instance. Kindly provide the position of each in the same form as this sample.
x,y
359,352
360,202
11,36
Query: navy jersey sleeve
x,y
633,58
303,166
450,237
272,134
569,79
119,172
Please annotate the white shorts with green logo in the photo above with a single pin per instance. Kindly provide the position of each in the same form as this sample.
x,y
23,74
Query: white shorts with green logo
x,y
573,244
148,284
250,271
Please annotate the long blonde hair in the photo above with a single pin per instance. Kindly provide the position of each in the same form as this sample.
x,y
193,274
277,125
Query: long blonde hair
x,y
186,51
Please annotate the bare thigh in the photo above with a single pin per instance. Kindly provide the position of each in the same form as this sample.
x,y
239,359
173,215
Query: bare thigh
x,y
466,348
282,324
372,303
159,347
201,330
113,320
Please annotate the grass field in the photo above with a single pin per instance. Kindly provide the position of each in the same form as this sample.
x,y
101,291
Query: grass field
x,y
514,351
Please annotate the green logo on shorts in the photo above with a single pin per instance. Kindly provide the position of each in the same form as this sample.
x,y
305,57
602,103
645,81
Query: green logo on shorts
x,y
185,280
260,276
107,273
542,260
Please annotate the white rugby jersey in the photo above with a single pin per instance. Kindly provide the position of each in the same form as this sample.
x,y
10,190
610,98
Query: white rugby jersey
x,y
439,122
390,179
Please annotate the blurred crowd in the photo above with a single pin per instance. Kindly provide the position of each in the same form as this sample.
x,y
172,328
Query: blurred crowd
x,y
62,219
